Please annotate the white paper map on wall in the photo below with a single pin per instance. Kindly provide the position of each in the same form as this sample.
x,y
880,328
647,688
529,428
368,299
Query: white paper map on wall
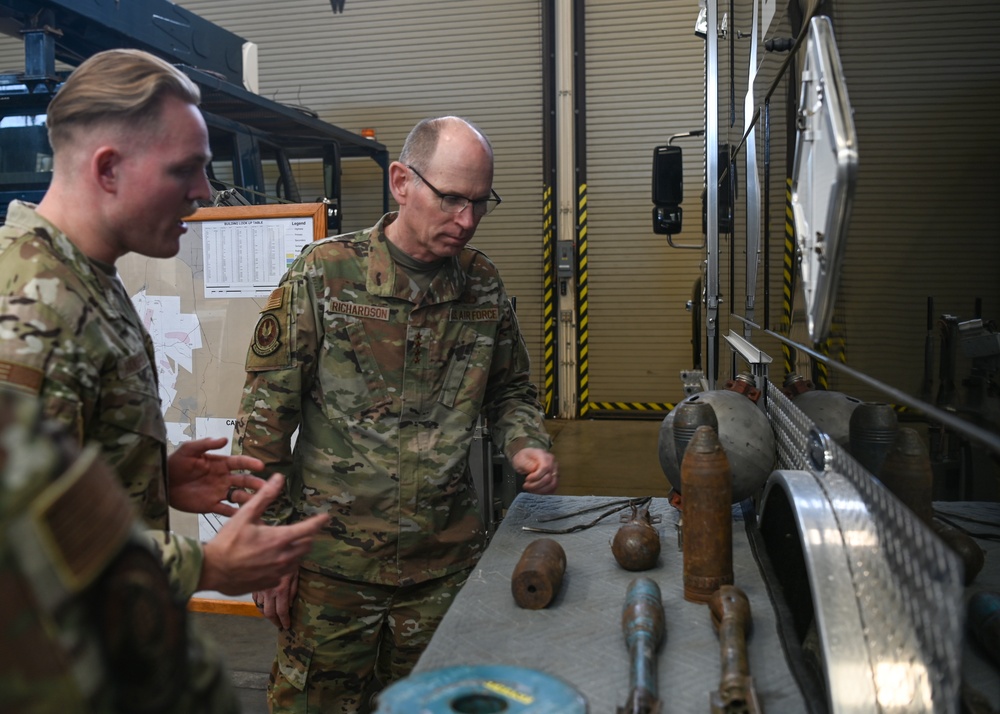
x,y
175,335
201,340
201,344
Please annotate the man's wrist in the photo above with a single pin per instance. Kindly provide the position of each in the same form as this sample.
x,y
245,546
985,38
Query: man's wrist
x,y
212,575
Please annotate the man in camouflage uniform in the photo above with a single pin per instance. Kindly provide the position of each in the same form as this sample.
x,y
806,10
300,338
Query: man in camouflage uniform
x,y
89,622
130,149
382,348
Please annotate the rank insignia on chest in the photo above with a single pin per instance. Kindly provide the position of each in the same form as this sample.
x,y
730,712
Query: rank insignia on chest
x,y
266,336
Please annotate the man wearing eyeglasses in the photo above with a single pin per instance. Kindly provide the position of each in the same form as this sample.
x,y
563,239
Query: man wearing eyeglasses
x,y
382,348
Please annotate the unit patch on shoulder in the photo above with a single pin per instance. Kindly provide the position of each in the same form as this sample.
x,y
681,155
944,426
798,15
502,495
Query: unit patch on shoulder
x,y
275,300
266,336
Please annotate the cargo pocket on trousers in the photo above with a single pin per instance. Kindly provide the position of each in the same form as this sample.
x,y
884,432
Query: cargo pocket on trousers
x,y
294,658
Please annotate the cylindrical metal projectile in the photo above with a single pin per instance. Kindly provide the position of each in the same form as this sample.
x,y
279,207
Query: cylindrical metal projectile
x,y
644,626
689,416
964,545
538,574
730,609
907,472
707,484
872,432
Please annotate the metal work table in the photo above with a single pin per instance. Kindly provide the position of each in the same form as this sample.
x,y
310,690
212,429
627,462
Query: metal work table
x,y
978,671
579,639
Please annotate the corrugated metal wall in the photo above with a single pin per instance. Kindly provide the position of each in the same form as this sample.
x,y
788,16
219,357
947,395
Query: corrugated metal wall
x,y
644,82
925,86
11,55
386,64
924,80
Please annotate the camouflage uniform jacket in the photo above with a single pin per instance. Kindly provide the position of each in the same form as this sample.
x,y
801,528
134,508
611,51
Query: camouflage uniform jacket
x,y
89,622
385,384
69,334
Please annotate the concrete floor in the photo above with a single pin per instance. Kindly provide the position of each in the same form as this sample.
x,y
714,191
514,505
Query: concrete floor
x,y
596,458
608,457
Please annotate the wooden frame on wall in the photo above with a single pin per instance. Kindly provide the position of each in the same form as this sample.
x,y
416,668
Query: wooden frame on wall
x,y
315,211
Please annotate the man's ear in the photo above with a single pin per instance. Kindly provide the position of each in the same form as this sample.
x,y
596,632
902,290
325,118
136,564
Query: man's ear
x,y
400,181
105,165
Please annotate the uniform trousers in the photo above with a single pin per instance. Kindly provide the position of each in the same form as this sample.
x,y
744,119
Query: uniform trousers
x,y
348,640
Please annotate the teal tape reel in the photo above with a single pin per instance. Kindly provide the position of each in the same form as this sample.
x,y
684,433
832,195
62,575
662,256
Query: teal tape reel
x,y
488,689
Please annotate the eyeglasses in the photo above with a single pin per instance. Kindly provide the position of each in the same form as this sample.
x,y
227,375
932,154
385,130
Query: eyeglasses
x,y
451,203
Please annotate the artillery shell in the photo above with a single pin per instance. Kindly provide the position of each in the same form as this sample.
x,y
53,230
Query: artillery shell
x,y
872,432
538,574
907,473
690,415
707,485
964,545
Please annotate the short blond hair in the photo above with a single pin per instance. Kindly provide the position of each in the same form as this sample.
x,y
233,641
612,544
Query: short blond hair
x,y
122,87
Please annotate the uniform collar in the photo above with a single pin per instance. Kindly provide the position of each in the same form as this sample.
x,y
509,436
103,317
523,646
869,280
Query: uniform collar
x,y
387,279
24,217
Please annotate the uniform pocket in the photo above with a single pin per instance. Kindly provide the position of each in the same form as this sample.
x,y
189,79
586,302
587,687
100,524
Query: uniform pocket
x,y
348,373
468,371
130,401
294,659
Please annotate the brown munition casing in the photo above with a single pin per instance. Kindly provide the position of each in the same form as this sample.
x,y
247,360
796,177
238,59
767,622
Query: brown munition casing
x,y
707,485
730,610
538,574
968,550
636,545
871,433
907,473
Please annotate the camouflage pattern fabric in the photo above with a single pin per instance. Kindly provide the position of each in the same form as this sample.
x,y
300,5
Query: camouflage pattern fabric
x,y
89,621
385,382
336,630
70,335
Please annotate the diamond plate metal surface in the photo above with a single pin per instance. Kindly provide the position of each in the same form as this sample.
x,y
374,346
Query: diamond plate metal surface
x,y
907,583
579,638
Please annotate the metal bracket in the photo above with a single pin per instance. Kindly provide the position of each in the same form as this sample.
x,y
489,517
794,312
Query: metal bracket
x,y
755,357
